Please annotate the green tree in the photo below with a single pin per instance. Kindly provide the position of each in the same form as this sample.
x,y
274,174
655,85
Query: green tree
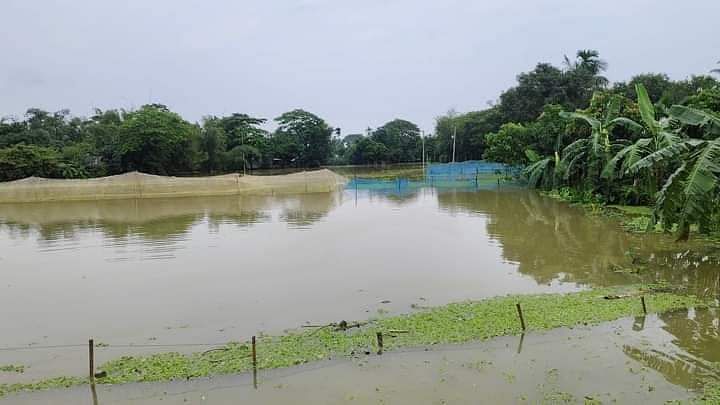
x,y
524,102
212,145
471,129
707,99
102,132
155,140
402,140
367,150
508,145
582,77
20,161
304,134
241,129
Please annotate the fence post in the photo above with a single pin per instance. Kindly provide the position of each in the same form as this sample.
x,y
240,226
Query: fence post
x,y
91,359
642,299
380,342
254,362
522,319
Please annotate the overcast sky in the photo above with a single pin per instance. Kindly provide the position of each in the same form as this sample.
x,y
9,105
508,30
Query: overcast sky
x,y
354,63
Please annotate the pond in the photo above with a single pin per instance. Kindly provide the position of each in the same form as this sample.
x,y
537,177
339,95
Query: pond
x,y
204,271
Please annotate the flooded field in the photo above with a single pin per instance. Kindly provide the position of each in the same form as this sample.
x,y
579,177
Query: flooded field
x,y
641,360
197,272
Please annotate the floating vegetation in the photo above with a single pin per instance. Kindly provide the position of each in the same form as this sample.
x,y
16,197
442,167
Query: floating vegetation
x,y
453,323
12,368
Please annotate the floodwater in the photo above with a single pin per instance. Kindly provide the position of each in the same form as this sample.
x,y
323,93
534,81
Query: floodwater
x,y
140,273
629,361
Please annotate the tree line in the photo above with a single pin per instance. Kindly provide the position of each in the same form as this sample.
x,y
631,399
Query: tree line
x,y
155,140
649,141
565,123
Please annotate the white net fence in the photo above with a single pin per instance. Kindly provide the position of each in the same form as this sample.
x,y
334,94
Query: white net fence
x,y
140,185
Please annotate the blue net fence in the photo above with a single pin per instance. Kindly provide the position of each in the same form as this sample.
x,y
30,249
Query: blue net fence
x,y
460,175
467,169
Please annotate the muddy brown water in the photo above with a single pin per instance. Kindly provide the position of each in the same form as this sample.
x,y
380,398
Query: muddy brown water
x,y
212,270
629,361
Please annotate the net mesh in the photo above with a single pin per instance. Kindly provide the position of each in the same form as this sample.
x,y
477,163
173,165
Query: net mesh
x,y
140,185
474,174
465,170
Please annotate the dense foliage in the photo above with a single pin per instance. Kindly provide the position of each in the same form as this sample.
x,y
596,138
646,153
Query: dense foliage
x,y
155,140
648,141
655,146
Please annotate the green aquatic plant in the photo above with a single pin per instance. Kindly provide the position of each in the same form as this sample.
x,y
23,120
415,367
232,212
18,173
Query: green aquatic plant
x,y
12,368
50,383
453,323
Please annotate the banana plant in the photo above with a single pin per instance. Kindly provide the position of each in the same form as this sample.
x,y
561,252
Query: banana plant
x,y
642,156
596,150
542,171
690,194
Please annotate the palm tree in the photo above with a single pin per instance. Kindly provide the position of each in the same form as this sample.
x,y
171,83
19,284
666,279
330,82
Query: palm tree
x,y
588,62
715,70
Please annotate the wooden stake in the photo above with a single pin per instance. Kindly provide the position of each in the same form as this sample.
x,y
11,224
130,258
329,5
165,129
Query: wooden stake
x,y
380,342
522,319
91,358
254,362
254,353
642,299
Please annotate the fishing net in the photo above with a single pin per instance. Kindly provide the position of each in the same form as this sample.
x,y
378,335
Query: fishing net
x,y
466,170
140,185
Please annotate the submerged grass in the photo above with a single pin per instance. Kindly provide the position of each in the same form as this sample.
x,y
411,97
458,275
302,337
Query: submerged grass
x,y
453,323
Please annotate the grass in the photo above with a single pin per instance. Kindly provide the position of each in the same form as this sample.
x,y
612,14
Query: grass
x,y
453,323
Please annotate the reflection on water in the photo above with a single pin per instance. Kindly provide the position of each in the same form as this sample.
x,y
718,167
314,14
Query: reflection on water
x,y
683,345
159,224
545,239
227,267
